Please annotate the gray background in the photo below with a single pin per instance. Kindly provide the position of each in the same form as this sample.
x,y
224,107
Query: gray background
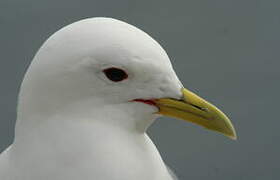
x,y
225,50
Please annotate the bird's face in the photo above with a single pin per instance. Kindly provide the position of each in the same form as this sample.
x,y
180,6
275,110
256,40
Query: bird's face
x,y
108,64
120,76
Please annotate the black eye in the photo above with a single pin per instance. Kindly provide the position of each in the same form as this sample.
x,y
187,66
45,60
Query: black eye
x,y
115,74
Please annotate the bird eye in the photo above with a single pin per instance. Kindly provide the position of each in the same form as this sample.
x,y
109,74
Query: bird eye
x,y
115,74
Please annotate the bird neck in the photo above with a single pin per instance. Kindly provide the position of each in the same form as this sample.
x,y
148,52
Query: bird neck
x,y
100,141
89,148
132,118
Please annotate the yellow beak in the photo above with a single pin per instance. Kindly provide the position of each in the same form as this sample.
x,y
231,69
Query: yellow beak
x,y
196,110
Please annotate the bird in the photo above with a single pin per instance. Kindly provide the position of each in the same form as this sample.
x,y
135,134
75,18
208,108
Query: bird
x,y
87,99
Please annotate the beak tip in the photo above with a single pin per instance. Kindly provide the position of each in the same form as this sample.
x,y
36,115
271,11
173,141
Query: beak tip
x,y
232,135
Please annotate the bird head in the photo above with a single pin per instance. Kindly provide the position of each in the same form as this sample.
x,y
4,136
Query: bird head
x,y
105,67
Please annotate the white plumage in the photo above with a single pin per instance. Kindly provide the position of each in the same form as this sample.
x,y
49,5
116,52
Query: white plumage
x,y
74,123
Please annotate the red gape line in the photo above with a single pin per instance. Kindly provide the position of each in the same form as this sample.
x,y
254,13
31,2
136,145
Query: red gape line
x,y
146,101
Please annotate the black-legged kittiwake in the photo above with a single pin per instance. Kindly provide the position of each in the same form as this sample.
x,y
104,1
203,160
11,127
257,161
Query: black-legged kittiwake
x,y
86,101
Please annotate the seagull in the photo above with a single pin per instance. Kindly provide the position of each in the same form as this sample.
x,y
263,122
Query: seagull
x,y
86,101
